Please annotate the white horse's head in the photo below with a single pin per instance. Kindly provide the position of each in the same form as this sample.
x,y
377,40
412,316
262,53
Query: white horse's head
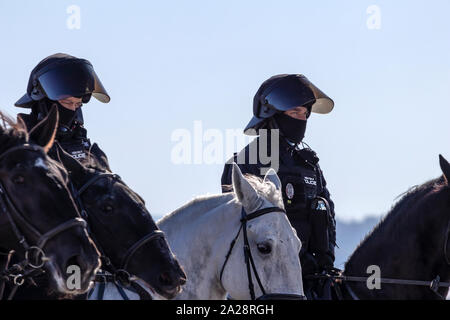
x,y
273,242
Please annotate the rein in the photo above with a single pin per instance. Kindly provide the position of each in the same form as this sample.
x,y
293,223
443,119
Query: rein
x,y
18,272
250,263
119,275
434,284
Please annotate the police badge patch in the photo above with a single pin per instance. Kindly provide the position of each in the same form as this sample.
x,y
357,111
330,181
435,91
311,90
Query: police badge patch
x,y
289,190
78,154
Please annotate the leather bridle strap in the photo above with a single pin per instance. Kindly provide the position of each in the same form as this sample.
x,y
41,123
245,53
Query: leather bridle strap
x,y
248,253
258,213
245,217
250,263
150,237
7,203
14,214
434,284
132,250
42,238
76,222
93,180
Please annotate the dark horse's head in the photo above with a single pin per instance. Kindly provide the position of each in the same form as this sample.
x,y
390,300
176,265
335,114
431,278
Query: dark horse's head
x,y
412,243
36,200
121,226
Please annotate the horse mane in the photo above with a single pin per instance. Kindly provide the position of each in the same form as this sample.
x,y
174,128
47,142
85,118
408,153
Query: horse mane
x,y
402,214
11,132
209,202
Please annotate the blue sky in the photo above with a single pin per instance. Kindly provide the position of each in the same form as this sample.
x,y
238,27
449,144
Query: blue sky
x,y
168,64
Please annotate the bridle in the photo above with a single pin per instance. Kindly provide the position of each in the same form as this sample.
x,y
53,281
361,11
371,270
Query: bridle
x,y
15,217
250,263
120,275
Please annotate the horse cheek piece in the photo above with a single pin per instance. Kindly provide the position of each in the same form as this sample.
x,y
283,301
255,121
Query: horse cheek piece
x,y
35,257
250,263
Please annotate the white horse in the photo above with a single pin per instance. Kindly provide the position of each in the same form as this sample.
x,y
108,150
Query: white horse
x,y
200,234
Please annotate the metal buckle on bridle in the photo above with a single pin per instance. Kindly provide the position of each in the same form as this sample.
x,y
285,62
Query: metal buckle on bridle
x,y
122,278
434,285
39,255
18,279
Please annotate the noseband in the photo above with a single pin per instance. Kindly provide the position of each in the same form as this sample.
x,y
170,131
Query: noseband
x,y
121,274
14,215
250,263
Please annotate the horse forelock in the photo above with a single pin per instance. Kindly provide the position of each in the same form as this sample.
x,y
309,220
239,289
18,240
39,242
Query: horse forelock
x,y
11,133
266,189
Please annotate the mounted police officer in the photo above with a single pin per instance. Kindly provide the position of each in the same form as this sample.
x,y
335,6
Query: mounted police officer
x,y
285,102
66,82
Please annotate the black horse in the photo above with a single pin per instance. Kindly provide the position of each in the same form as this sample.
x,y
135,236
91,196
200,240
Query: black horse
x,y
410,243
39,222
122,228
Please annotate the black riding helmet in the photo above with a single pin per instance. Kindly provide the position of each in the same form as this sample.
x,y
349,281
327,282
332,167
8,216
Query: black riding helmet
x,y
283,92
59,76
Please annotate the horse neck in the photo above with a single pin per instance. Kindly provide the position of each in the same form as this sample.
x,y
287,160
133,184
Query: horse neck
x,y
187,217
199,234
405,246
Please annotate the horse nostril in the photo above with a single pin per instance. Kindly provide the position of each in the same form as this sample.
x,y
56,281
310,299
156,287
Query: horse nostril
x,y
165,279
182,281
75,261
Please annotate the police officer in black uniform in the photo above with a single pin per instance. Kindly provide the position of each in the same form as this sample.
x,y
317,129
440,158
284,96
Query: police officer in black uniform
x,y
284,102
66,82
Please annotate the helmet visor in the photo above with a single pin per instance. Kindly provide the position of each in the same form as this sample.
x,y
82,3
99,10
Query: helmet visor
x,y
72,79
297,91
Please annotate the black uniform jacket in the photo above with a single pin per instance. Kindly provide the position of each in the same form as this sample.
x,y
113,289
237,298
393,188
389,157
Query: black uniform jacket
x,y
302,183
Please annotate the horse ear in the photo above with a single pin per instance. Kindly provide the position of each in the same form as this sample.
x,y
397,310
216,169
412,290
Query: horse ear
x,y
245,193
44,132
445,167
272,176
76,170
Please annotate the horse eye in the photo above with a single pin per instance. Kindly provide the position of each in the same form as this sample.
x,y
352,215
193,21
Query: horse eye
x,y
264,248
18,179
107,208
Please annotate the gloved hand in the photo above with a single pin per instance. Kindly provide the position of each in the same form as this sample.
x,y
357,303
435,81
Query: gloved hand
x,y
324,261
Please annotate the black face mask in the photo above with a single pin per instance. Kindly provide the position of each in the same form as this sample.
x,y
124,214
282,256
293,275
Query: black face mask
x,y
66,116
293,129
